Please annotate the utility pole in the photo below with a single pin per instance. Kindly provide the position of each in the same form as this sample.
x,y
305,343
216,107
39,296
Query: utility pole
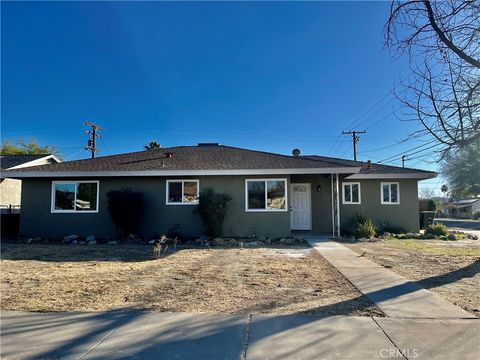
x,y
92,137
404,158
355,139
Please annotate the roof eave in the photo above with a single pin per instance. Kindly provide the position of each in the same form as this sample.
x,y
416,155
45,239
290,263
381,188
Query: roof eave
x,y
97,174
418,176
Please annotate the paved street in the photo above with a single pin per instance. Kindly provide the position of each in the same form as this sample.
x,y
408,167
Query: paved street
x,y
147,335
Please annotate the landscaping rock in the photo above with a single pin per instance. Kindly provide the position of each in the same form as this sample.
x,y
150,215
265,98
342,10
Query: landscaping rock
x,y
74,242
452,237
261,243
410,234
386,234
472,237
219,241
81,242
90,238
113,242
233,242
363,240
70,238
131,236
92,242
268,242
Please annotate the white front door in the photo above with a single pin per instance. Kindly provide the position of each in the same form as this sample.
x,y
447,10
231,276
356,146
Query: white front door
x,y
300,207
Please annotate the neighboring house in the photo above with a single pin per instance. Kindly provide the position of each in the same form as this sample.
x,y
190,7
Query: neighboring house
x,y
464,209
272,194
10,189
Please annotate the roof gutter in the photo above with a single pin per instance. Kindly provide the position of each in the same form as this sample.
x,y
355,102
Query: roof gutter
x,y
419,176
96,174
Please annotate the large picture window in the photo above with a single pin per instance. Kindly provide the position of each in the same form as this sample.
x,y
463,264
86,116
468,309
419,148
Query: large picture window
x,y
266,195
182,192
351,193
390,193
74,196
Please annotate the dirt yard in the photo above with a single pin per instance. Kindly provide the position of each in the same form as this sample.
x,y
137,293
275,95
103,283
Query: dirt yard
x,y
94,278
449,268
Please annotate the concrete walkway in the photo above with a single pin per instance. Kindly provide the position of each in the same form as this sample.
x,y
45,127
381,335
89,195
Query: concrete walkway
x,y
147,335
392,293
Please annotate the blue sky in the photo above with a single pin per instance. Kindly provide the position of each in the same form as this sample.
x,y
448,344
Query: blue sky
x,y
267,76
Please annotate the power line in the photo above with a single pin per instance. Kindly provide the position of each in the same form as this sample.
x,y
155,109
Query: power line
x,y
397,156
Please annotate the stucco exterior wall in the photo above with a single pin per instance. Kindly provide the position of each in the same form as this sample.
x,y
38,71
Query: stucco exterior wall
x,y
158,218
405,214
10,192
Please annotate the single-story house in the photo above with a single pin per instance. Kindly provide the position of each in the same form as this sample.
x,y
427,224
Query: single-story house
x,y
10,189
464,209
272,194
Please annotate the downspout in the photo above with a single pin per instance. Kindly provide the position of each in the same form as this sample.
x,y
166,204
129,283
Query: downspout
x,y
333,206
338,208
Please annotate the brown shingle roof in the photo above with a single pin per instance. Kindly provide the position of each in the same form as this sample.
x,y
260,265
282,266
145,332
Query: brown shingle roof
x,y
373,168
189,158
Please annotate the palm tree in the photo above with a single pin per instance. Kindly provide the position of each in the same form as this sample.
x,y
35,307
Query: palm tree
x,y
444,190
153,145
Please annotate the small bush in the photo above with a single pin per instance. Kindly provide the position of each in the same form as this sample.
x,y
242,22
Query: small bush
x,y
476,215
125,208
452,237
437,229
387,226
350,226
212,208
365,229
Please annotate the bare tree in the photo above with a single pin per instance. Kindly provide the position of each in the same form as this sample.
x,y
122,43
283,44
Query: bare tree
x,y
442,40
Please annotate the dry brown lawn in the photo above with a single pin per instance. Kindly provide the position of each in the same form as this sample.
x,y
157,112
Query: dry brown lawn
x,y
96,278
449,268
222,280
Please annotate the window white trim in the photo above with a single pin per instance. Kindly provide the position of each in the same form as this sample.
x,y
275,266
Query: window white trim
x,y
344,201
390,197
266,209
57,211
183,181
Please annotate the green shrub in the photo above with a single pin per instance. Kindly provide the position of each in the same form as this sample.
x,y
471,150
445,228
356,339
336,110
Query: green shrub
x,y
437,229
350,226
452,237
387,226
476,215
431,205
365,229
125,208
212,208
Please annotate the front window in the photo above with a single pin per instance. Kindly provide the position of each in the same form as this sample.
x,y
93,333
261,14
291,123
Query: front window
x,y
390,193
266,195
351,193
74,196
182,192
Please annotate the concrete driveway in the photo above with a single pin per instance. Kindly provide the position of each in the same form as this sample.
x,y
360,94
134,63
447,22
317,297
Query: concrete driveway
x,y
148,335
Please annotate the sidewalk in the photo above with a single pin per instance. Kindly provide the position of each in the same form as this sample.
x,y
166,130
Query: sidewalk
x,y
392,293
148,335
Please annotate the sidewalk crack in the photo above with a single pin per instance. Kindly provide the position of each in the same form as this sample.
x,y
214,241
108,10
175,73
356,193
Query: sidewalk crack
x,y
390,339
246,338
